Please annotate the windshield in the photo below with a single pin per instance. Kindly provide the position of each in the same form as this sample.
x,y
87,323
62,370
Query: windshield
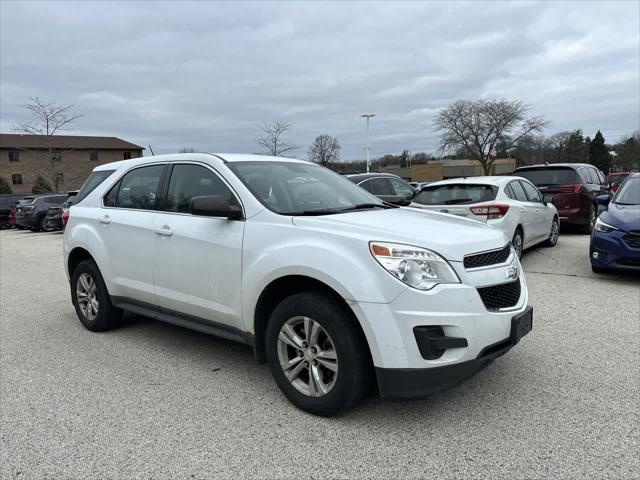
x,y
291,188
550,177
629,193
456,194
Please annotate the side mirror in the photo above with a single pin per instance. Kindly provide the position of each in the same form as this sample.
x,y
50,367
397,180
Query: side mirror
x,y
215,206
547,199
603,200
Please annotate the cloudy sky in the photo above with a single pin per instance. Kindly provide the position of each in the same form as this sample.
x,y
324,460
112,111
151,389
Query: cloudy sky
x,y
204,74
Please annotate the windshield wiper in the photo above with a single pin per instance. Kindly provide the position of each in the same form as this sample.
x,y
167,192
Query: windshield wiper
x,y
361,206
332,211
457,201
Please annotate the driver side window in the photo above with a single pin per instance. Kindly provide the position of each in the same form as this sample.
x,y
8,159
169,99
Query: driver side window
x,y
189,181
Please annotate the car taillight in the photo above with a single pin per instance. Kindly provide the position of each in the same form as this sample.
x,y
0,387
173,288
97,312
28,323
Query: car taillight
x,y
575,188
28,208
65,218
491,211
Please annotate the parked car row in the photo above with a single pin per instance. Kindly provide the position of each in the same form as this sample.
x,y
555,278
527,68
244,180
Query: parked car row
x,y
35,212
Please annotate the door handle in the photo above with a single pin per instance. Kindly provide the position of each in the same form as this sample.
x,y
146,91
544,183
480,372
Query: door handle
x,y
164,231
106,220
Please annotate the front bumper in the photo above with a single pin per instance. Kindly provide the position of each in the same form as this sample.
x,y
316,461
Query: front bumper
x,y
409,383
610,251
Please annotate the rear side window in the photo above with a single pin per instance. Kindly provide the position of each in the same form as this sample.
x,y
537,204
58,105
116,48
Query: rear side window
x,y
377,186
532,194
456,194
550,177
91,183
137,189
401,188
584,175
518,191
189,181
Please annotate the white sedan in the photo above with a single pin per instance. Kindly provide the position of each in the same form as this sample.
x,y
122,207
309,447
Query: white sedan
x,y
512,204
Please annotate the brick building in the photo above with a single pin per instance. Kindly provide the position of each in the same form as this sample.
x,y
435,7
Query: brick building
x,y
64,161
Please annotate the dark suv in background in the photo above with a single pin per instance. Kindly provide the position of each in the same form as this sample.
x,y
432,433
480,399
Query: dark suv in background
x,y
572,187
385,186
32,214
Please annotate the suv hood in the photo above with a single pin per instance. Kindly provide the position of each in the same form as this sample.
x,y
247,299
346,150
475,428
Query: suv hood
x,y
450,236
624,217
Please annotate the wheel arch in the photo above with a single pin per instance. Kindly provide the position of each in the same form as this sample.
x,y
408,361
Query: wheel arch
x,y
283,287
77,255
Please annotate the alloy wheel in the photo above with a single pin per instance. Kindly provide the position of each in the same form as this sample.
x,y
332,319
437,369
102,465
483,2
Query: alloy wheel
x,y
87,296
517,244
307,356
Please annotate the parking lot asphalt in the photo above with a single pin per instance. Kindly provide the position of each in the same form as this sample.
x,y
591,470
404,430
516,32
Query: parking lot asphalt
x,y
151,400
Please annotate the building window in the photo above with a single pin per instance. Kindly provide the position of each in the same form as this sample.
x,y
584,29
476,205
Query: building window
x,y
56,156
59,177
14,156
93,155
126,155
16,179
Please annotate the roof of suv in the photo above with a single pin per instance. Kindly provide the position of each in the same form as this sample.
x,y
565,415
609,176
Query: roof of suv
x,y
225,157
364,176
488,180
573,166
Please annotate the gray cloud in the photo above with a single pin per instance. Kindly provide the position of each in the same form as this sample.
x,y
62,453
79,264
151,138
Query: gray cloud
x,y
174,74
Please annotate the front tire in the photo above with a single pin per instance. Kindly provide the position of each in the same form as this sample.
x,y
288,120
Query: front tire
x,y
552,240
91,299
317,354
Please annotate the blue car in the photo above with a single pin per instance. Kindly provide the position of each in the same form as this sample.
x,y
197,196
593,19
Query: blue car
x,y
615,240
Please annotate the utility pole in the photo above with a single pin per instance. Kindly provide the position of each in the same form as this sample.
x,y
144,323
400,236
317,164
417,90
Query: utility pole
x,y
368,116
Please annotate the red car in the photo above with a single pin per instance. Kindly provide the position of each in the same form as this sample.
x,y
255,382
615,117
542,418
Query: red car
x,y
572,187
615,179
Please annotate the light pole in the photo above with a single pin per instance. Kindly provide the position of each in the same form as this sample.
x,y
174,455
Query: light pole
x,y
368,116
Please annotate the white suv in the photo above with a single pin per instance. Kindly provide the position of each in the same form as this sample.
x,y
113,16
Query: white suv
x,y
336,289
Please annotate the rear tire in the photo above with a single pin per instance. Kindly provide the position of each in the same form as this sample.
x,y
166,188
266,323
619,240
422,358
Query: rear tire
x,y
290,341
552,240
593,215
518,242
91,299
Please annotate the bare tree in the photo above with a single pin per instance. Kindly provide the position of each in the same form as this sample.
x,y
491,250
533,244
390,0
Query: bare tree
x,y
479,126
325,150
270,137
49,119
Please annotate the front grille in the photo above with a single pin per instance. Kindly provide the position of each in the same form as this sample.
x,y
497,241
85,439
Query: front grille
x,y
632,239
488,258
505,295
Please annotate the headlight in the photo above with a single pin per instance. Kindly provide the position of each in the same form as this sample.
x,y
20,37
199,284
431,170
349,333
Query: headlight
x,y
415,266
604,227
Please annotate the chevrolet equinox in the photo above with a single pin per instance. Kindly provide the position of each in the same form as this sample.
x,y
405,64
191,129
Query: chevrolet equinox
x,y
337,290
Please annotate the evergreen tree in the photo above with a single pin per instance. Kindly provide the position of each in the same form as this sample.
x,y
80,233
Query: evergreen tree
x,y
4,186
599,153
41,186
576,150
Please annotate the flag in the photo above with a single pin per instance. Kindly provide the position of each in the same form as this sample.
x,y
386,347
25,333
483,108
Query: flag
x,y
493,153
